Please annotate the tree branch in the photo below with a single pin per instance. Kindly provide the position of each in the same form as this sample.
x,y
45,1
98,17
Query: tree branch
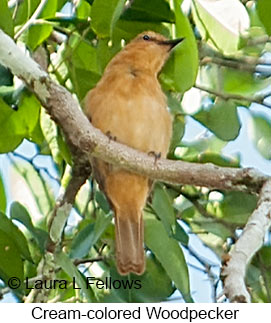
x,y
84,139
245,248
239,65
231,96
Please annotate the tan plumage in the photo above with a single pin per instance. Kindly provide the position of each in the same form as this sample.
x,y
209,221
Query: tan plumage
x,y
128,104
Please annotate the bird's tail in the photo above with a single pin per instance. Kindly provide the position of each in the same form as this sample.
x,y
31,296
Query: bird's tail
x,y
129,242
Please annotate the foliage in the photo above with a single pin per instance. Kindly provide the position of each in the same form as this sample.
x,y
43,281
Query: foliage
x,y
224,43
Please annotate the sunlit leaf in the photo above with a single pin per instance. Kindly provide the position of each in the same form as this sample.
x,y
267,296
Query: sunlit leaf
x,y
221,22
37,33
264,9
6,23
259,130
18,124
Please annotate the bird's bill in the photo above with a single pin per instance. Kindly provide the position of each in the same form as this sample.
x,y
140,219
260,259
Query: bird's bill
x,y
171,42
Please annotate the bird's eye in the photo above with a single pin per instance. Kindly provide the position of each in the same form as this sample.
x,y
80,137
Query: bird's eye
x,y
146,37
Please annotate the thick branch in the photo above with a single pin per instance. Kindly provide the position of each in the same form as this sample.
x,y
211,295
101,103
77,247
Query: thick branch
x,y
83,138
245,248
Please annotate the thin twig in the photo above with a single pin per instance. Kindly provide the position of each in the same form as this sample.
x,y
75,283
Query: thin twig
x,y
238,97
32,19
259,40
239,65
85,261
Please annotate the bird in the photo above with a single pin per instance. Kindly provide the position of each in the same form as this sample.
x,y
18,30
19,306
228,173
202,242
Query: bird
x,y
128,105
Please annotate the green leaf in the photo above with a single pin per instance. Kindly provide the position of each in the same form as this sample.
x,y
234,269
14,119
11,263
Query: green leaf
x,y
6,78
259,130
168,251
102,201
59,222
39,32
15,235
254,281
221,118
180,72
67,265
232,81
78,50
162,205
242,83
264,9
127,29
151,10
41,191
204,150
217,159
64,148
153,286
16,125
265,254
89,235
9,140
83,9
3,198
19,212
174,103
232,211
104,16
24,10
180,234
82,80
6,23
50,133
11,264
177,132
106,52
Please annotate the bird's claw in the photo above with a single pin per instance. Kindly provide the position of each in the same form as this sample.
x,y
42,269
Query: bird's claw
x,y
110,136
155,155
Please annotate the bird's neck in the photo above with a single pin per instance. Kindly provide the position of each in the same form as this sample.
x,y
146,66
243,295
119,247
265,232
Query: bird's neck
x,y
137,64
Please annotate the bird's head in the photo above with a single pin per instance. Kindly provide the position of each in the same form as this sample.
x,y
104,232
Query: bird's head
x,y
150,49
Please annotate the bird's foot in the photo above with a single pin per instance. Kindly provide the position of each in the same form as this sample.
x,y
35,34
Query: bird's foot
x,y
155,155
110,136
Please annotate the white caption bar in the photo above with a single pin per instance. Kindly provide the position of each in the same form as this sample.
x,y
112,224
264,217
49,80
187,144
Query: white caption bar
x,y
180,312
